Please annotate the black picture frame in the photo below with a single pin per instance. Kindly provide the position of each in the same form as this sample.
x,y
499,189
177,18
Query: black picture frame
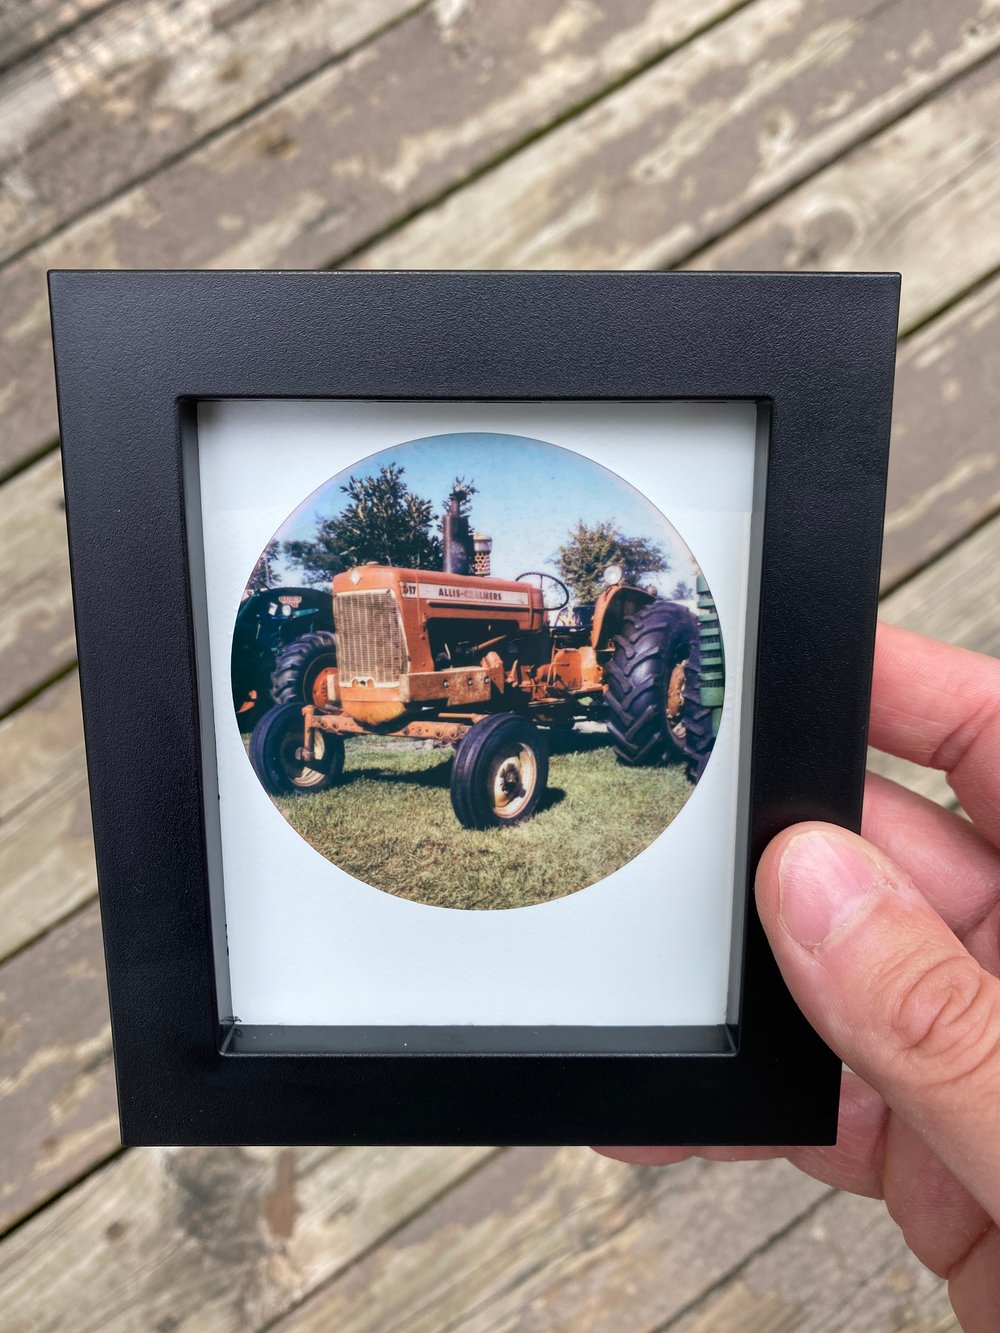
x,y
134,351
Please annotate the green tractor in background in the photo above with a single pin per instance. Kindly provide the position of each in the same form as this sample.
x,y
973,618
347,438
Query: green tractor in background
x,y
282,642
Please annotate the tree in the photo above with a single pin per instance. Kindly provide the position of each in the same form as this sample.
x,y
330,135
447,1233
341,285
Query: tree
x,y
383,522
683,592
262,576
588,551
462,490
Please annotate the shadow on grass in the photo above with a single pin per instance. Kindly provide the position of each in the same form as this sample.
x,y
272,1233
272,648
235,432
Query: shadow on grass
x,y
577,742
550,797
437,777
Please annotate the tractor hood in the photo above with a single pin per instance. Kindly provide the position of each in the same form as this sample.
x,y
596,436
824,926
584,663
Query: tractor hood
x,y
440,591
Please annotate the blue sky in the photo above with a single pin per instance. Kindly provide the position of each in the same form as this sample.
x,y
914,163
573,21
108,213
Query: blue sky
x,y
530,496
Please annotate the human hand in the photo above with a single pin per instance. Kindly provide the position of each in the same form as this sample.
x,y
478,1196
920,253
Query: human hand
x,y
890,944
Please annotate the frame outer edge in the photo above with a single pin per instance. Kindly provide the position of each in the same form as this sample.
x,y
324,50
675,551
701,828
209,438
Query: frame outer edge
x,y
819,348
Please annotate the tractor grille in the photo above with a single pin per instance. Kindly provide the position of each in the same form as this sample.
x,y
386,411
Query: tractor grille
x,y
369,637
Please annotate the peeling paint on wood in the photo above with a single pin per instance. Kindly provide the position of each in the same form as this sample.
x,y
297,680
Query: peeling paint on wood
x,y
944,468
57,1094
914,199
340,157
141,82
26,24
394,111
544,1240
680,155
36,627
194,1232
957,599
843,1269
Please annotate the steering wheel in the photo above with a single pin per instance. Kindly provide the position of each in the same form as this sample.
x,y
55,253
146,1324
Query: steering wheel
x,y
555,594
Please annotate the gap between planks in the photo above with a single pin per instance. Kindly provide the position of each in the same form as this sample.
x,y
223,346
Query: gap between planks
x,y
649,158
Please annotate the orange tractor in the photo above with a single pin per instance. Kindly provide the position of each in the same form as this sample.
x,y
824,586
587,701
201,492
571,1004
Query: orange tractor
x,y
477,662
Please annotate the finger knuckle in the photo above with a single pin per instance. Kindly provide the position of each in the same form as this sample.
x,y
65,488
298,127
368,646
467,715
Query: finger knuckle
x,y
945,1021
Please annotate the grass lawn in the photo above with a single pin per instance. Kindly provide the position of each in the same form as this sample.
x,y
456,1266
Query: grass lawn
x,y
390,823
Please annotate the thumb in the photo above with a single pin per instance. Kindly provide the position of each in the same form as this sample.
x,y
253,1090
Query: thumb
x,y
892,990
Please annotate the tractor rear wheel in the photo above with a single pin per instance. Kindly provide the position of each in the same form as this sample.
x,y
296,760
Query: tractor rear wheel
x,y
299,666
274,746
651,679
500,772
251,697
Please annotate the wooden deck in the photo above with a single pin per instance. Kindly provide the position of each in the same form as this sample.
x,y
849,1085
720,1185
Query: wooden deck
x,y
460,133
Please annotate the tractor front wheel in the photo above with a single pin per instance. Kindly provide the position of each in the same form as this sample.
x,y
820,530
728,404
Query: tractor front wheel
x,y
500,772
275,747
649,683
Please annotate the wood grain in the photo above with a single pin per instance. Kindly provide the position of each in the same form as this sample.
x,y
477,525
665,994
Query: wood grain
x,y
36,619
681,155
948,389
361,144
544,1240
306,194
211,1238
913,200
843,1269
141,82
944,466
46,848
956,599
57,1089
28,24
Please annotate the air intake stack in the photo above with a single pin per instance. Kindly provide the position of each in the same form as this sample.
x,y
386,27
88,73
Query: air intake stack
x,y
457,539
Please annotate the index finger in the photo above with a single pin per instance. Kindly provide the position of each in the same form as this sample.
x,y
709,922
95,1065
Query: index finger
x,y
939,706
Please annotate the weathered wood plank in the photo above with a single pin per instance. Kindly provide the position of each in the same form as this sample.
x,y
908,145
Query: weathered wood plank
x,y
956,599
845,1267
141,82
947,390
562,1240
913,199
26,24
36,621
46,849
220,1238
360,144
307,194
679,156
57,1089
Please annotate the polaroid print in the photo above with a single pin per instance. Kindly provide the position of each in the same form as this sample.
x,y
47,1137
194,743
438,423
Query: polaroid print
x,y
479,703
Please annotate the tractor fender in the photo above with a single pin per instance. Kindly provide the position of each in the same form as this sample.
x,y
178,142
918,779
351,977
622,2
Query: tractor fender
x,y
612,609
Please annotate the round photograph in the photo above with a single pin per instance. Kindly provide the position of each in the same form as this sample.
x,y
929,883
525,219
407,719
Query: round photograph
x,y
478,671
